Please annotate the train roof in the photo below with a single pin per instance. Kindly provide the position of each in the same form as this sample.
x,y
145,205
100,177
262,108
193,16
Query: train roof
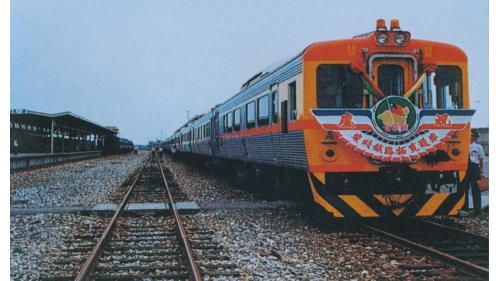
x,y
349,49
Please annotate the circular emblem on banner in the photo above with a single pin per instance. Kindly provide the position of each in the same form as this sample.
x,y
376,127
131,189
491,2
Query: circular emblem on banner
x,y
395,117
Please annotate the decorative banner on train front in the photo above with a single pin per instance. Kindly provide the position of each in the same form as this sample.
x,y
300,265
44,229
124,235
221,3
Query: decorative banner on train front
x,y
394,130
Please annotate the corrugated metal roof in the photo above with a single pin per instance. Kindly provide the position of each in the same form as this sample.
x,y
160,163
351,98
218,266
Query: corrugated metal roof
x,y
64,119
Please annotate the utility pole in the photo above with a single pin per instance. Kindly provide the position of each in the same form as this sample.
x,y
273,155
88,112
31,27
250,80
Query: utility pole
x,y
188,114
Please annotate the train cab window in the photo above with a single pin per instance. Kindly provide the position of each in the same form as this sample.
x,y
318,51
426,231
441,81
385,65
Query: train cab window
x,y
274,107
263,110
250,108
292,97
237,119
448,87
230,122
338,87
391,79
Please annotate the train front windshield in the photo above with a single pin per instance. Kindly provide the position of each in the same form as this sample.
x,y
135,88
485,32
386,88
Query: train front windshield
x,y
337,86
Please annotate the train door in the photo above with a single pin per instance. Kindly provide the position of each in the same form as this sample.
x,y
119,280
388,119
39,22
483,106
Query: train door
x,y
214,132
273,119
395,76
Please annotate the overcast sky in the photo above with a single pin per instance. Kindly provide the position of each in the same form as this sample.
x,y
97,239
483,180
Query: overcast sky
x,y
141,65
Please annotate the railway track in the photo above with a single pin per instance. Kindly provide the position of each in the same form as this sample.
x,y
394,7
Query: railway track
x,y
145,245
465,251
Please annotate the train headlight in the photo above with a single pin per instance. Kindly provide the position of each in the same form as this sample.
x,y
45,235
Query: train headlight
x,y
399,38
382,38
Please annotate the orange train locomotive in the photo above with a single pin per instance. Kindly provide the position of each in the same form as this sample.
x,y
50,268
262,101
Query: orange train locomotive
x,y
380,123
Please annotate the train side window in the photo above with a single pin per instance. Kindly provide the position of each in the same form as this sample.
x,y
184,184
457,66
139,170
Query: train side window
x,y
448,87
292,97
237,119
230,122
274,107
263,110
250,108
337,86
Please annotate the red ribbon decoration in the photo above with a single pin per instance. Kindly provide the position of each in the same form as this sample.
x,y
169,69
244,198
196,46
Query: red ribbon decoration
x,y
359,67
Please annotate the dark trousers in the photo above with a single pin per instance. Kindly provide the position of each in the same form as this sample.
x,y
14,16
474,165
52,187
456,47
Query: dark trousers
x,y
470,181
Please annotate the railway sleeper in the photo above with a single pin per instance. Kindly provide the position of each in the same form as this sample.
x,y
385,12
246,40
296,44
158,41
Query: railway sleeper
x,y
145,258
151,239
217,265
147,232
112,248
58,278
154,251
128,277
196,246
145,268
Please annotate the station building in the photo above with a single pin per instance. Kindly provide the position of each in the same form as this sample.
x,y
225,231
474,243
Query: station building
x,y
65,132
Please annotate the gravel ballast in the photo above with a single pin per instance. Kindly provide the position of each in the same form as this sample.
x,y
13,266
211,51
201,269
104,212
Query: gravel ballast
x,y
36,240
278,243
284,244
83,183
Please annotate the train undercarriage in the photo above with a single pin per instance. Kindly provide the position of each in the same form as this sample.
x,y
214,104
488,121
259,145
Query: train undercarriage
x,y
391,192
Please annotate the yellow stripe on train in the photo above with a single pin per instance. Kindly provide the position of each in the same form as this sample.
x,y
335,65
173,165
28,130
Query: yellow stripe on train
x,y
321,201
432,204
359,206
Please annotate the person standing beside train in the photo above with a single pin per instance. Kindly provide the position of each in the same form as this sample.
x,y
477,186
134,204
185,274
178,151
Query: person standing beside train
x,y
475,171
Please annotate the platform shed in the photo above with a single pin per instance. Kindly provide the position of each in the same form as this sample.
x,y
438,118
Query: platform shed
x,y
42,133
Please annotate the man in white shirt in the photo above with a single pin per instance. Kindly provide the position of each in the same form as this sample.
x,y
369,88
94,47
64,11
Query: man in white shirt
x,y
475,172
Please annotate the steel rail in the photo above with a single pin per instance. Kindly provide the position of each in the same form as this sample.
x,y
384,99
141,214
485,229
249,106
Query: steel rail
x,y
195,269
479,238
448,259
89,264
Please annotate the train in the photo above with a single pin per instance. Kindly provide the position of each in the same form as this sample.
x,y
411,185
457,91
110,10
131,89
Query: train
x,y
377,124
